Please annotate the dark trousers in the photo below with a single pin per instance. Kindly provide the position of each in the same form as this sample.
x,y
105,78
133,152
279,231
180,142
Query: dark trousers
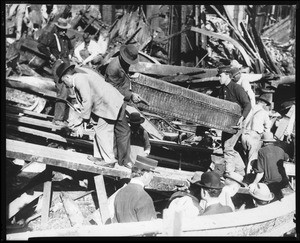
x,y
61,110
122,134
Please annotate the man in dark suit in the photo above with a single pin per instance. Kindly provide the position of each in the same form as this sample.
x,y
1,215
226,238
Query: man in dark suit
x,y
58,48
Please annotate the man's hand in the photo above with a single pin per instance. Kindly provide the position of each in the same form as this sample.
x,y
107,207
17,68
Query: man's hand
x,y
135,98
252,187
79,130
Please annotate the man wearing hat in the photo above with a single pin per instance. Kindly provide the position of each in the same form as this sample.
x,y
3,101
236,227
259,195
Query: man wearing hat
x,y
58,48
235,93
269,168
117,74
211,188
139,138
132,203
101,105
187,198
261,194
258,124
87,50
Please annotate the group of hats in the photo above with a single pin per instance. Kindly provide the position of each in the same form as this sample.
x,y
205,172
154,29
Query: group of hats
x,y
212,180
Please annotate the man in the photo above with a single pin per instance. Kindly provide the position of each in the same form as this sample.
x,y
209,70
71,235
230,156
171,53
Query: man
x,y
258,124
58,48
139,138
132,203
117,75
269,168
87,50
235,93
101,103
211,188
187,199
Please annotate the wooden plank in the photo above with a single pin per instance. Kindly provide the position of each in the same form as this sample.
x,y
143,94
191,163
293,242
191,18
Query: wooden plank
x,y
73,211
47,194
102,199
78,161
169,100
18,110
170,70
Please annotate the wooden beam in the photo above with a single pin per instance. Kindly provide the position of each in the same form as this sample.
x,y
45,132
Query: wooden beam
x,y
169,70
102,199
47,194
79,161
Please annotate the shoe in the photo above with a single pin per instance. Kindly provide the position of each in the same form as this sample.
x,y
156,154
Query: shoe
x,y
60,123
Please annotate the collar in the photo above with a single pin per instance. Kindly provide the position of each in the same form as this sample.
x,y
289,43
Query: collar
x,y
137,181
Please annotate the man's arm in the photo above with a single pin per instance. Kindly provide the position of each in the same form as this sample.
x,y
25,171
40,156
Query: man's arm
x,y
244,100
94,50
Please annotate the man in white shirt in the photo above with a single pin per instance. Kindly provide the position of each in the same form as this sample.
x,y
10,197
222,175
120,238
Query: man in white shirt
x,y
87,50
258,124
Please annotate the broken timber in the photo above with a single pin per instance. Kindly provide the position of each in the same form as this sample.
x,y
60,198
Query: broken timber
x,y
167,179
169,100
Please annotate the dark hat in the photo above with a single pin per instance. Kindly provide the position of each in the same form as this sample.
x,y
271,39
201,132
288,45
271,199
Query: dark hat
x,y
234,71
129,53
235,177
145,163
268,137
62,69
224,69
262,192
135,118
210,180
62,24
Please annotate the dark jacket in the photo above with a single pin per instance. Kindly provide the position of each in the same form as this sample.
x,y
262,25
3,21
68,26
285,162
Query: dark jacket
x,y
48,45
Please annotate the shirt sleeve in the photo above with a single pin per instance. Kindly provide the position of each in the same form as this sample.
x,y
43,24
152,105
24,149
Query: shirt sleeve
x,y
44,42
94,50
147,142
244,100
86,97
145,210
77,52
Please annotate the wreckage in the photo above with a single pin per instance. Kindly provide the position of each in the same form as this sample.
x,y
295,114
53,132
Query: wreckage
x,y
177,101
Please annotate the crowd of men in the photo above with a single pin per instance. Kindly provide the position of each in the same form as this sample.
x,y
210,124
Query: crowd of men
x,y
121,140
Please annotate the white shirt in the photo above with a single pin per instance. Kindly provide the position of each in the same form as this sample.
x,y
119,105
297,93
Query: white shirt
x,y
260,121
92,48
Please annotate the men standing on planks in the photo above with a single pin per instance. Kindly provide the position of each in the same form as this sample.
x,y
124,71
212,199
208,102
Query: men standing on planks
x,y
58,48
132,203
101,103
235,93
117,74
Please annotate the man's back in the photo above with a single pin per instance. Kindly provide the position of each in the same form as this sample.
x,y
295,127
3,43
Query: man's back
x,y
133,204
270,161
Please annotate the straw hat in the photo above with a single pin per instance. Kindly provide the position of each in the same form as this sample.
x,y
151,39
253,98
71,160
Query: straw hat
x,y
268,137
129,53
62,24
262,192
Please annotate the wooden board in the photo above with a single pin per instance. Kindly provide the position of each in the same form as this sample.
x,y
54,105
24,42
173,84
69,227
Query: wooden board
x,y
169,100
167,178
171,70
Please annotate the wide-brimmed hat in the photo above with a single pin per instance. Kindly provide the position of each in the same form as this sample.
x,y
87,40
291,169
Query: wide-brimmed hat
x,y
129,53
268,137
145,163
63,24
235,63
62,69
235,177
210,180
262,192
135,118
